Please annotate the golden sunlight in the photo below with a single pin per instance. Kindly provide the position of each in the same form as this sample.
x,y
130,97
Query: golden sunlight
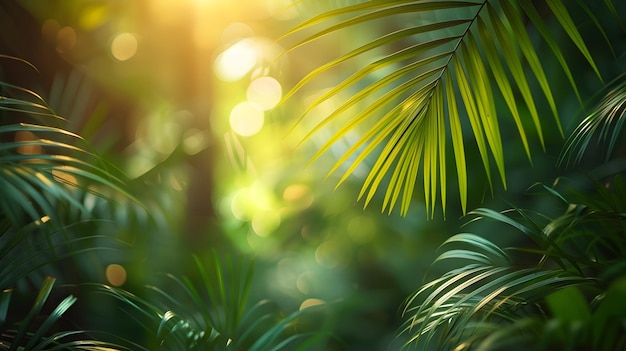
x,y
236,61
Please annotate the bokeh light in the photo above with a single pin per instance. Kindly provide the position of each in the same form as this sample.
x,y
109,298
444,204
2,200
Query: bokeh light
x,y
333,254
246,119
93,16
115,274
305,282
237,61
264,93
265,222
124,46
251,201
241,206
298,196
66,39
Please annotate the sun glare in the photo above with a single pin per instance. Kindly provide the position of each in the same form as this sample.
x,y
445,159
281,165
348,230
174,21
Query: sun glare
x,y
246,119
236,61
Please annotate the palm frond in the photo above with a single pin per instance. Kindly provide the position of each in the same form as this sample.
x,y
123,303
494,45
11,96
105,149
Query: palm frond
x,y
496,294
32,332
42,163
47,174
603,125
451,49
214,315
33,248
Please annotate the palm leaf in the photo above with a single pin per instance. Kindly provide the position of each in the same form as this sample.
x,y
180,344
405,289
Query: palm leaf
x,y
43,194
603,125
464,48
30,335
47,174
491,290
214,314
27,251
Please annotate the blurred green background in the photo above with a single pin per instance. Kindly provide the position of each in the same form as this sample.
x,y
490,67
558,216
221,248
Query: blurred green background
x,y
183,97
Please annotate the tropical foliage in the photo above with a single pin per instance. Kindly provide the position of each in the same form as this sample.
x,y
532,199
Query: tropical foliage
x,y
214,315
559,290
443,76
455,74
48,173
100,249
55,188
562,287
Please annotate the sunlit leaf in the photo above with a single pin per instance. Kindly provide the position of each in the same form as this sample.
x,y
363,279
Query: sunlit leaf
x,y
489,40
472,112
457,140
484,101
513,62
379,42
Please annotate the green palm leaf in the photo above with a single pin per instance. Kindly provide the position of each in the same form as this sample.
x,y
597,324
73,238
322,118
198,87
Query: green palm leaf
x,y
602,126
28,334
49,177
214,313
490,295
461,48
43,165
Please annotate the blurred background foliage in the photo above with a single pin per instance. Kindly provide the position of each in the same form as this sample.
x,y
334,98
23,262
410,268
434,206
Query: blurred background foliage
x,y
182,97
